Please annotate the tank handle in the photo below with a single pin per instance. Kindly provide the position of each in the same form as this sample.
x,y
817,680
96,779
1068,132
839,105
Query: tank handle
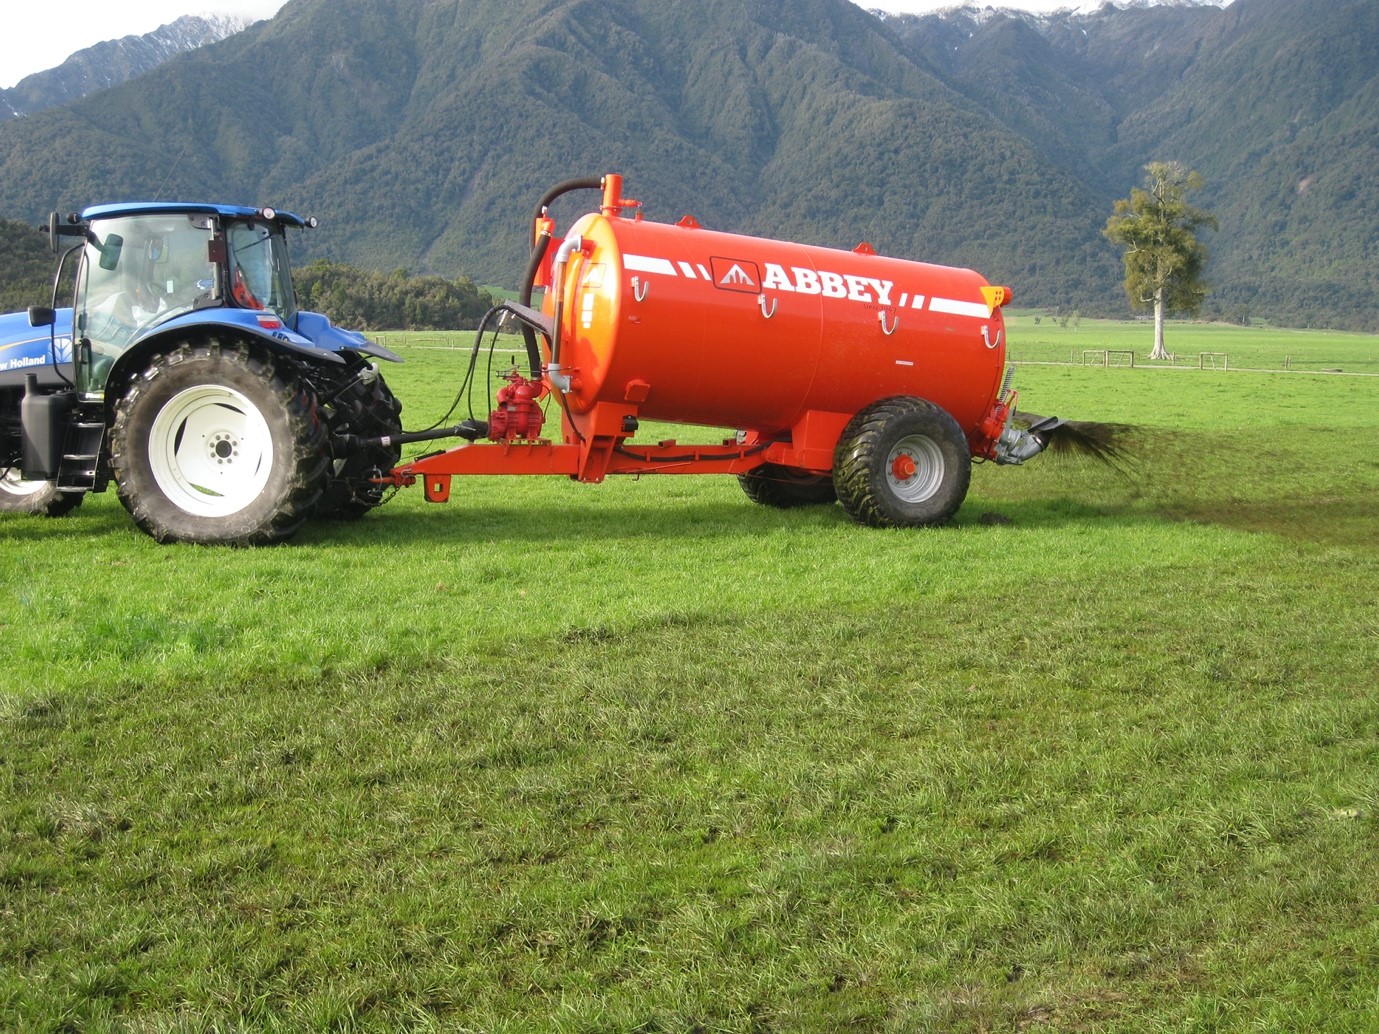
x,y
888,331
761,300
640,288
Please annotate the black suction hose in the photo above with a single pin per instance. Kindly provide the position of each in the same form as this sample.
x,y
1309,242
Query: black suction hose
x,y
586,183
543,243
539,248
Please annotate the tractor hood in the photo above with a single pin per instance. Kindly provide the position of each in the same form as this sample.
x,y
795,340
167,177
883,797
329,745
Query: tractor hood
x,y
24,348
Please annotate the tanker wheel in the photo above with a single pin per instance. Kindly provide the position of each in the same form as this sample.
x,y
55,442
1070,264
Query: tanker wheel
x,y
41,497
773,485
902,463
349,491
217,444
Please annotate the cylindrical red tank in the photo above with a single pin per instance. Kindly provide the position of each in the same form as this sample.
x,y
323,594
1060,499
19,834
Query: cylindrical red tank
x,y
702,327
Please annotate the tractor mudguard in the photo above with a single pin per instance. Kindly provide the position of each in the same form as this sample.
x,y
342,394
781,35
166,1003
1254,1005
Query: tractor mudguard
x,y
315,337
263,325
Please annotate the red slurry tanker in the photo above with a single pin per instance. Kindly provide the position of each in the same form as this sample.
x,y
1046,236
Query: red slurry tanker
x,y
185,373
847,374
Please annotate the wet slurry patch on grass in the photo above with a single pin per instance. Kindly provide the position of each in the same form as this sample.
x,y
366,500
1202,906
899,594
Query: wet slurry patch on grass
x,y
1283,484
647,756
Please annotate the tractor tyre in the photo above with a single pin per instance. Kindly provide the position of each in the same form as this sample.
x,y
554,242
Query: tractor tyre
x,y
773,485
902,462
217,444
40,497
350,491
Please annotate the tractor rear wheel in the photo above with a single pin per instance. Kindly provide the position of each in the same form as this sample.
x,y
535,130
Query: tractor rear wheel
x,y
773,485
41,497
350,491
902,462
218,444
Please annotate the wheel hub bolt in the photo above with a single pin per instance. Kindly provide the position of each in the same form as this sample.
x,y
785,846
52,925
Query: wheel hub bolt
x,y
222,448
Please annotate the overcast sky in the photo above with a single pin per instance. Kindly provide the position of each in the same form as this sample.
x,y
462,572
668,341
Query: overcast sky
x,y
40,34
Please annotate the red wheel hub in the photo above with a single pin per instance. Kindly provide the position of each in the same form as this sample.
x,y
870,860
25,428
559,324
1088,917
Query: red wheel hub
x,y
902,467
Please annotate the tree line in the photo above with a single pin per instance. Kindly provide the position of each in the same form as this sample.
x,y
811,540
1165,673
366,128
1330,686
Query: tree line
x,y
365,300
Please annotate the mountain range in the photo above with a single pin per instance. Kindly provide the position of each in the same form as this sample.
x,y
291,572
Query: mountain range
x,y
422,131
113,62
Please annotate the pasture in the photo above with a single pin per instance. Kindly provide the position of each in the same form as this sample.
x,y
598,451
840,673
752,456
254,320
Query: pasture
x,y
1103,755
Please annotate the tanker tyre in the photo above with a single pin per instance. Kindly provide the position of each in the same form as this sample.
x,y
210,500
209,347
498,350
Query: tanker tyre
x,y
40,497
773,485
217,444
902,462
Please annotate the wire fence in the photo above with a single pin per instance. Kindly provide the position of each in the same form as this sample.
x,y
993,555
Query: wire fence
x,y
1352,360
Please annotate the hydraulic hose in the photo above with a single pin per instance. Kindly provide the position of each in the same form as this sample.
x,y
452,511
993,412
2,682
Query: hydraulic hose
x,y
585,183
543,243
539,247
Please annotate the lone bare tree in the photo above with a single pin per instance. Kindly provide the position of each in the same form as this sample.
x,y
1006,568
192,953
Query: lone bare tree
x,y
1164,260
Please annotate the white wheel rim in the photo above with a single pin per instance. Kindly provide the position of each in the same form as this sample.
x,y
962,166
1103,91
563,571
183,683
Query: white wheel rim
x,y
210,451
914,468
13,484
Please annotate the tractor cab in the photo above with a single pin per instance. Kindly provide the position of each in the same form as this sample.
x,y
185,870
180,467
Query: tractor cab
x,y
144,265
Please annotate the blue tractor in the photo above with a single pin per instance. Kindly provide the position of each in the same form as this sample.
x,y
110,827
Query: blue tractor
x,y
185,373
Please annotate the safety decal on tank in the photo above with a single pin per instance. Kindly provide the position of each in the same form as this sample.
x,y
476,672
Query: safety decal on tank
x,y
749,277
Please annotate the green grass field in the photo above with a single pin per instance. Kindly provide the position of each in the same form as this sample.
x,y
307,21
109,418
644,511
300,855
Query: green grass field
x,y
1225,346
1103,755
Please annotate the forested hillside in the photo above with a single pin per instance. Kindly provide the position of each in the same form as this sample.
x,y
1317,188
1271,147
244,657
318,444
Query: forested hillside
x,y
422,131
26,267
